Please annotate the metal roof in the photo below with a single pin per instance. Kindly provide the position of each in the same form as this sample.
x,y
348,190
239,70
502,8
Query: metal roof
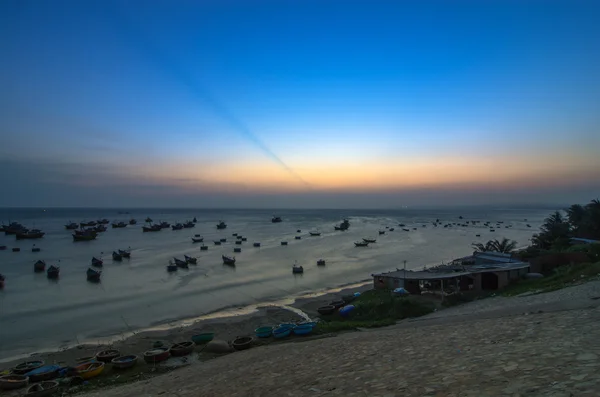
x,y
421,275
584,240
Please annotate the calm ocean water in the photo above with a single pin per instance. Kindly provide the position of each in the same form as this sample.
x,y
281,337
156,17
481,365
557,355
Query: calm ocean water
x,y
37,313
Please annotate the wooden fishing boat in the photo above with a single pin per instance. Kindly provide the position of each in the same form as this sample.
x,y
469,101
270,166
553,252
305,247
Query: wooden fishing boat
x,y
84,231
223,240
43,373
237,249
221,225
125,253
2,247
27,366
478,235
30,234
298,237
408,230
103,221
53,272
314,233
194,220
401,224
171,267
263,332
177,226
204,247
90,370
35,249
156,355
369,240
84,237
93,274
228,260
107,356
42,389
152,228
391,229
100,228
164,225
117,256
217,242
148,219
337,304
97,262
71,226
296,269
132,221
299,231
361,244
180,263
2,278
203,338
381,232
124,362
16,249
321,262
190,260
276,219
282,331
239,237
303,329
256,244
86,224
197,239
326,310
238,242
39,266
12,382
242,343
181,349
188,225
244,239
119,225
284,243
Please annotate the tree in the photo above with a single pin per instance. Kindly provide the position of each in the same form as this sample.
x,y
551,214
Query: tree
x,y
505,246
554,230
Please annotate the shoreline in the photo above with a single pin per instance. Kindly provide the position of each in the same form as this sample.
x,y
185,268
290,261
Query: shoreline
x,y
241,319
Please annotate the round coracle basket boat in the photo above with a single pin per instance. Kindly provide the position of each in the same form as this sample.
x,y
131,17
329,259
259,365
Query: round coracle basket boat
x,y
242,343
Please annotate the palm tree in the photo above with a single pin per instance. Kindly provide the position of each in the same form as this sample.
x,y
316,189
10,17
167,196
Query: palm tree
x,y
505,246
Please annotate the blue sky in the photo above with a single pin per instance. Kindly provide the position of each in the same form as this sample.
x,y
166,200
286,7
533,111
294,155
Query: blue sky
x,y
255,103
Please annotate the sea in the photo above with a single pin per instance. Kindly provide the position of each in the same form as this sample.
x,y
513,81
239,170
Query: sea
x,y
38,314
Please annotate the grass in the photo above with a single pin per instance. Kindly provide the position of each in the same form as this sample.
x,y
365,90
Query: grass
x,y
375,308
562,277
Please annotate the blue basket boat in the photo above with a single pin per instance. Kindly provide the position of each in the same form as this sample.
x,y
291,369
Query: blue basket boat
x,y
303,329
282,332
263,332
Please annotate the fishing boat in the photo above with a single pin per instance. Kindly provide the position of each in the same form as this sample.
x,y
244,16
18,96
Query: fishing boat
x,y
401,224
201,339
406,230
303,329
239,242
299,231
124,362
244,239
90,370
195,220
2,278
381,232
171,267
107,356
284,243
203,247
361,244
164,225
53,272
14,228
39,266
264,331
84,237
156,355
492,230
12,382
180,263
125,253
100,228
528,225
297,237
242,342
16,249
152,228
190,260
97,262
276,219
42,389
132,221
221,225
2,247
177,226
119,225
103,221
391,229
256,244
93,274
27,366
84,231
35,249
71,226
326,310
197,239
321,262
314,233
297,269
148,219
228,260
237,249
478,235
188,225
239,236
43,373
369,240
282,331
86,224
217,242
117,256
29,234
223,240
181,349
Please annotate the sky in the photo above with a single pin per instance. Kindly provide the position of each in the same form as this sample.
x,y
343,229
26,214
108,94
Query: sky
x,y
298,103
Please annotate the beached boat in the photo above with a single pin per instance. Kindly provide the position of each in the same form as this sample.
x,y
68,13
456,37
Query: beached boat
x,y
361,244
203,338
297,269
221,225
43,373
303,329
282,331
27,366
148,219
90,370
197,239
188,225
12,382
181,349
39,266
125,253
242,342
71,226
314,233
132,221
338,303
119,225
84,237
116,256
369,240
97,262
321,262
124,362
256,245
326,310
107,356
228,260
190,260
203,247
42,389
93,274
29,234
180,263
276,219
177,226
156,355
53,272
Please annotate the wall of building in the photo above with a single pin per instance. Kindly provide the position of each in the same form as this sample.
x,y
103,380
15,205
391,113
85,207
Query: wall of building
x,y
547,263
